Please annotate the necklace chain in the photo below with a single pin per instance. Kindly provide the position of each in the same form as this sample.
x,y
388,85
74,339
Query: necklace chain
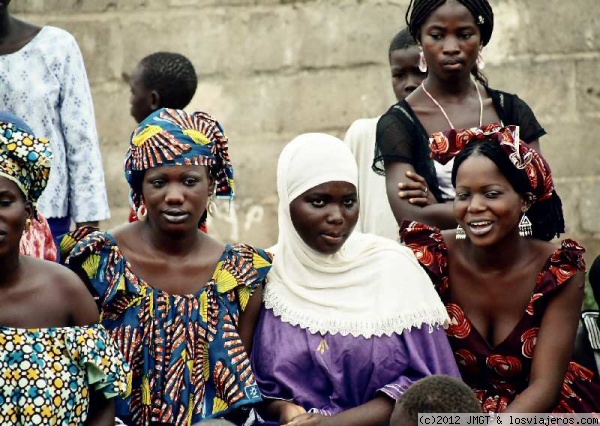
x,y
444,112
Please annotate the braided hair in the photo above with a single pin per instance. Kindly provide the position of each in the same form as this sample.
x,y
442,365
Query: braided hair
x,y
172,75
419,10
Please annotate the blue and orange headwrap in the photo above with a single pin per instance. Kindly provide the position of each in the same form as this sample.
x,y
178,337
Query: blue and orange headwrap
x,y
171,137
24,159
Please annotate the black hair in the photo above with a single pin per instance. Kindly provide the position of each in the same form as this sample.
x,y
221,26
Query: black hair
x,y
419,10
402,40
172,75
436,394
546,216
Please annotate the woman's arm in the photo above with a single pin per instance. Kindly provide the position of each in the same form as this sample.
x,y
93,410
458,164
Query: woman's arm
x,y
375,412
249,319
280,410
553,350
439,215
101,411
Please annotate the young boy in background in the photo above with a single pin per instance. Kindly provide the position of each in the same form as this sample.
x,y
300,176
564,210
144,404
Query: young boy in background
x,y
376,215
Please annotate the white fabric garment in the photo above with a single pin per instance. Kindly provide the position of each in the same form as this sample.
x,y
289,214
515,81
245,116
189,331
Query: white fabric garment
x,y
371,287
376,215
45,84
444,177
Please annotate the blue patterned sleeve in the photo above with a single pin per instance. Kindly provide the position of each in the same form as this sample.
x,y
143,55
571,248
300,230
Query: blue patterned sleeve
x,y
241,272
88,199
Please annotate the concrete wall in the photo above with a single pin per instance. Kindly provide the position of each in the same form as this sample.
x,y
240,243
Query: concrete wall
x,y
272,69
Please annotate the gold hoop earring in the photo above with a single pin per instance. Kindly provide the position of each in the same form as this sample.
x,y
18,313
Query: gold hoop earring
x,y
211,208
28,224
142,212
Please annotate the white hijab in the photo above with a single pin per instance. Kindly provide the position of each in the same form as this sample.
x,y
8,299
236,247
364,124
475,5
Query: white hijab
x,y
372,286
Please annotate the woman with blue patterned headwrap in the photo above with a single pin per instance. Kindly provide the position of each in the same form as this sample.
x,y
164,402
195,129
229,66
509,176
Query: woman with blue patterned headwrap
x,y
37,240
173,297
57,364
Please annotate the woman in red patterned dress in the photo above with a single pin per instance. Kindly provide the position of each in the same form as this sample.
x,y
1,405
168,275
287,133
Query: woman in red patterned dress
x,y
513,297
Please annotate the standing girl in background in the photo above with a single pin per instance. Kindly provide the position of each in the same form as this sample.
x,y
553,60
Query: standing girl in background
x,y
454,96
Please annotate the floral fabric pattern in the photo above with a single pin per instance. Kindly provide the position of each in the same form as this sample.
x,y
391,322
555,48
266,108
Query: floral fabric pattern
x,y
498,374
59,109
187,357
45,374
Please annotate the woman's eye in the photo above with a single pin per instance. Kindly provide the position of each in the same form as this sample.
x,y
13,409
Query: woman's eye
x,y
157,183
190,182
492,194
5,203
318,203
466,36
349,203
462,196
436,36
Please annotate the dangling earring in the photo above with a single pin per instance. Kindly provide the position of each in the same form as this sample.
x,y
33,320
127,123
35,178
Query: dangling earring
x,y
460,233
422,62
142,212
212,206
28,224
525,227
480,61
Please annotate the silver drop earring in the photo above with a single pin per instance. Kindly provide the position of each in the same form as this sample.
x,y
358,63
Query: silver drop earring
x,y
422,62
525,227
460,233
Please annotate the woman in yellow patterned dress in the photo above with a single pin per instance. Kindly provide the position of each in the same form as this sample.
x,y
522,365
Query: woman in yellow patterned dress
x,y
174,298
58,366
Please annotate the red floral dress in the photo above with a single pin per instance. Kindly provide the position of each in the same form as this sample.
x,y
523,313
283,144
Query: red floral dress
x,y
498,374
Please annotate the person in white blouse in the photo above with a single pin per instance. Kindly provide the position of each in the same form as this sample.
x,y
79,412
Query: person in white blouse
x,y
376,216
43,79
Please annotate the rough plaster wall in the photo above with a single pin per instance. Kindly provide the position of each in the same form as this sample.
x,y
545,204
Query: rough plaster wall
x,y
270,70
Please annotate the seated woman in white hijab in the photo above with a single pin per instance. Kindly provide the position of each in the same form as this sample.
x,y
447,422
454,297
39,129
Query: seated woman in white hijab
x,y
349,320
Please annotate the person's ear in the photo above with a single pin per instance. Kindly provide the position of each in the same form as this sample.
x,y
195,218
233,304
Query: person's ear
x,y
212,183
29,211
526,201
154,100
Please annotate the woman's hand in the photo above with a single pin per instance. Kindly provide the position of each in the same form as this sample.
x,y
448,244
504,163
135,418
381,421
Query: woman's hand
x,y
416,191
289,411
311,419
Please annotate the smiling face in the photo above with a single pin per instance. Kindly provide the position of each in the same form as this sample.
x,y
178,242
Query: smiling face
x,y
406,75
176,196
486,206
14,211
451,40
325,216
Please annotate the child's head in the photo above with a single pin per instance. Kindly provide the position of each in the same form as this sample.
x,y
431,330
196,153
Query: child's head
x,y
434,394
404,64
161,80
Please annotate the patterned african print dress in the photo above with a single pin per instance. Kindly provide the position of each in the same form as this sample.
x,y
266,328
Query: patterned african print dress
x,y
187,358
498,374
45,373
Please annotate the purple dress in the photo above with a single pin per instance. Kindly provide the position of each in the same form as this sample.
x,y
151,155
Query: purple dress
x,y
329,374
